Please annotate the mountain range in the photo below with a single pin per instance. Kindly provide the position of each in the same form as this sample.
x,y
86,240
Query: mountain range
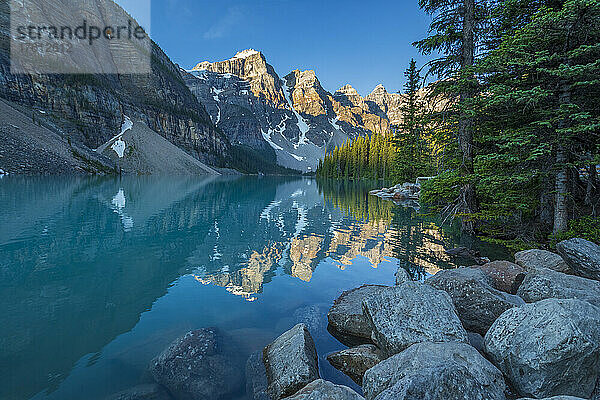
x,y
236,114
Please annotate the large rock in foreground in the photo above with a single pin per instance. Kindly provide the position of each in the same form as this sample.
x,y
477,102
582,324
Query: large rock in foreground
x,y
346,320
558,398
199,366
544,284
548,348
411,313
435,371
582,256
356,361
477,304
325,390
503,275
291,362
534,259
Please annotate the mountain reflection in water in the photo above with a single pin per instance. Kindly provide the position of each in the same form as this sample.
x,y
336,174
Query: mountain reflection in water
x,y
98,275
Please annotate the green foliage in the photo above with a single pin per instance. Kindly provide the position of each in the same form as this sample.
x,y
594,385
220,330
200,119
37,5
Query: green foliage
x,y
364,158
442,189
413,156
537,77
586,228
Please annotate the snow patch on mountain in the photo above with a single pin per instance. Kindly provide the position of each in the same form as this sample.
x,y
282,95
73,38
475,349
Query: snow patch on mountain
x,y
302,125
267,137
246,53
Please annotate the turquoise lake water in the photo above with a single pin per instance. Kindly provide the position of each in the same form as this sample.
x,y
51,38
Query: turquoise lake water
x,y
99,275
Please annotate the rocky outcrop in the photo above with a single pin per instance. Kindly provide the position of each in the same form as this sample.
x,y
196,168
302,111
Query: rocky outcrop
x,y
198,366
30,148
448,370
383,103
399,193
402,276
88,109
503,275
548,348
290,362
346,320
411,313
292,119
387,104
544,284
582,256
148,391
325,390
534,259
351,108
321,110
477,304
355,361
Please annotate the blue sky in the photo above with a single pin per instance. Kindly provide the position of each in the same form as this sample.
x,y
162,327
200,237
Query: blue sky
x,y
357,42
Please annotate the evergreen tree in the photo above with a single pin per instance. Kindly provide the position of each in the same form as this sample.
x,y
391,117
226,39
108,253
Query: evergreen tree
x,y
456,31
411,160
540,113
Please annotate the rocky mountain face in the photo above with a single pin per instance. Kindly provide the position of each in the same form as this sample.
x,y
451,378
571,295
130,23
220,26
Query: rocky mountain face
x,y
294,117
387,105
90,109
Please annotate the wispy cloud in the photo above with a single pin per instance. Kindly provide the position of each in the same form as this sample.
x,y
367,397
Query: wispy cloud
x,y
226,24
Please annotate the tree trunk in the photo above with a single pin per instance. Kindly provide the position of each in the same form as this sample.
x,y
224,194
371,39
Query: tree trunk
x,y
465,126
591,190
561,210
547,203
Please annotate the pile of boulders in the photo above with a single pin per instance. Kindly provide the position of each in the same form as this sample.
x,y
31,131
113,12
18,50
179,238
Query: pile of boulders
x,y
529,329
406,194
503,330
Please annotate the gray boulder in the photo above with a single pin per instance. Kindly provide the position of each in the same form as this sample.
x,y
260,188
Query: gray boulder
x,y
435,371
534,259
582,256
150,391
544,284
356,361
411,313
346,320
557,398
199,366
291,362
503,275
325,390
477,304
548,348
402,276
256,377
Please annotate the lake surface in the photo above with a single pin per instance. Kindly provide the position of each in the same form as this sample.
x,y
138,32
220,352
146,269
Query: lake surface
x,y
99,275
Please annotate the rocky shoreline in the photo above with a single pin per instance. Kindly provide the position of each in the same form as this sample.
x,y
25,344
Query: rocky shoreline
x,y
502,330
404,194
